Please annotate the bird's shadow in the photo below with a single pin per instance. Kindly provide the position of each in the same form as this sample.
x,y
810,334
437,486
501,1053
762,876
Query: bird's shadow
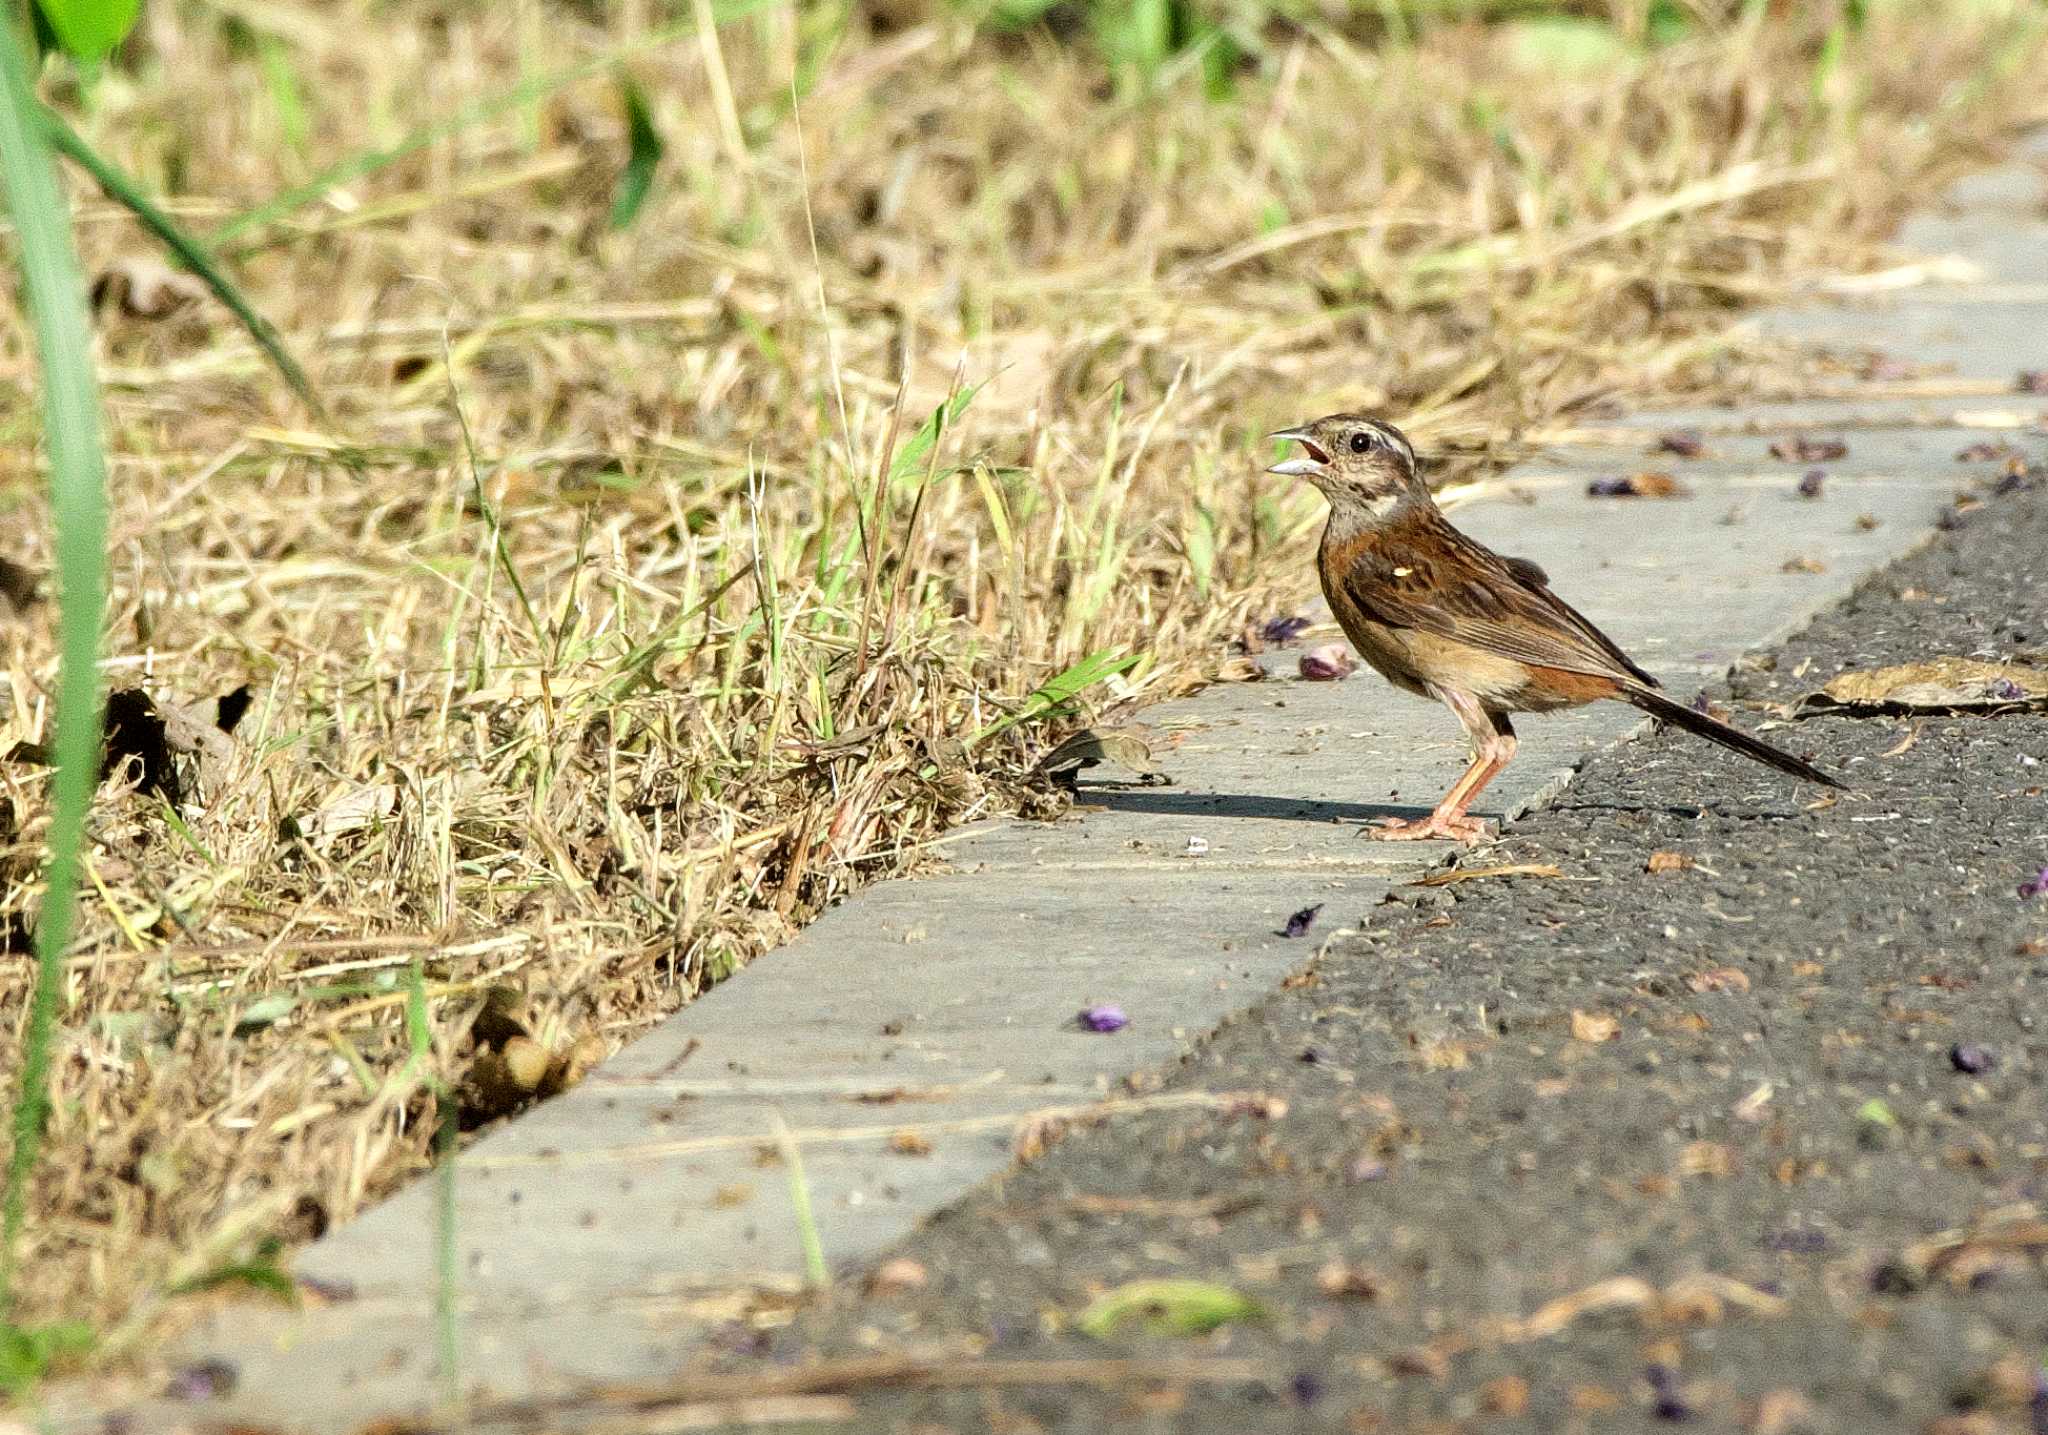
x,y
1690,811
1169,802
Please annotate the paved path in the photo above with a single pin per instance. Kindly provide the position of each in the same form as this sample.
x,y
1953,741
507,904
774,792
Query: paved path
x,y
1597,1150
911,1040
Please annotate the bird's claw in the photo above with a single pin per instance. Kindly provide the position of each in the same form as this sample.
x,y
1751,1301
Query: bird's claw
x,y
1437,825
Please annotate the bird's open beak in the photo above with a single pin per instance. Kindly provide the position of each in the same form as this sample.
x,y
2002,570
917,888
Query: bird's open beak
x,y
1313,461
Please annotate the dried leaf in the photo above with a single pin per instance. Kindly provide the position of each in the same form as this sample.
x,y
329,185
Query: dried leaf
x,y
19,587
900,1274
1638,485
1340,1278
1681,443
142,286
1937,684
1594,1026
1467,874
1617,1293
351,810
1801,449
1668,862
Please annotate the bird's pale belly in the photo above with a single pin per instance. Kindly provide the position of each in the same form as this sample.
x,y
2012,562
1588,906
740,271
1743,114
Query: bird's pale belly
x,y
1427,665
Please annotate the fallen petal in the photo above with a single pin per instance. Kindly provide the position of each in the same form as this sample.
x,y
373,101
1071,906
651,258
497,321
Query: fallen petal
x,y
1299,923
1330,663
1971,1059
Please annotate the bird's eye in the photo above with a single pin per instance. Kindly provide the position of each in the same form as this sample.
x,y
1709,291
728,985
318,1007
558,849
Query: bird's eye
x,y
1361,442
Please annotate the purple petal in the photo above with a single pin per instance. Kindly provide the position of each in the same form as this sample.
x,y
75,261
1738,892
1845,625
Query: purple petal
x,y
2006,690
1609,488
1971,1059
1331,663
1300,922
207,1379
2034,886
1810,482
2032,381
1670,1404
1283,630
1103,1017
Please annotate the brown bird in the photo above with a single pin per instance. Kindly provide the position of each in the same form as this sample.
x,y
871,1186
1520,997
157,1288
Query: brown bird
x,y
1445,617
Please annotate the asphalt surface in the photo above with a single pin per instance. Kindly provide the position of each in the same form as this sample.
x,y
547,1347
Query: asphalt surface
x,y
1599,1151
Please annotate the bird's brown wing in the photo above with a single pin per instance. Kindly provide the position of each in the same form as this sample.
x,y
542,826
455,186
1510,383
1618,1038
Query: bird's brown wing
x,y
1428,576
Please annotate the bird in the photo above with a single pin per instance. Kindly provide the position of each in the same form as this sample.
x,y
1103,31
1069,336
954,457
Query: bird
x,y
1443,616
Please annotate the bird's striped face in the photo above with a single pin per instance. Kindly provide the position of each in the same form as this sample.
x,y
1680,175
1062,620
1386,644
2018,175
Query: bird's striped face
x,y
1352,459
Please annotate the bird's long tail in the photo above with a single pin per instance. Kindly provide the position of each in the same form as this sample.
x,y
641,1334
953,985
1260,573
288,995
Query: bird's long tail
x,y
1714,730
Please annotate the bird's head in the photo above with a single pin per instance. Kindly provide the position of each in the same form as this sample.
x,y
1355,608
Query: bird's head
x,y
1363,466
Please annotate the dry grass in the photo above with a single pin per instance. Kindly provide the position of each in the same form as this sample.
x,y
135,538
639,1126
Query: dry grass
x,y
611,624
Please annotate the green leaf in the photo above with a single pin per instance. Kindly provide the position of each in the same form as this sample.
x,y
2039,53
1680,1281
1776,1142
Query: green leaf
x,y
260,1272
90,28
1874,1112
1018,14
1057,691
265,1011
1168,1307
55,298
643,155
28,1351
912,453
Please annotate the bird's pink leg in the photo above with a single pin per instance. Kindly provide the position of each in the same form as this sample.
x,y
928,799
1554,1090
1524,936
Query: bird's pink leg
x,y
1493,745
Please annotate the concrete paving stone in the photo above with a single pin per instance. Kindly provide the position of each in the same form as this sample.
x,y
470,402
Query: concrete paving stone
x,y
2000,411
1742,461
1997,222
1967,339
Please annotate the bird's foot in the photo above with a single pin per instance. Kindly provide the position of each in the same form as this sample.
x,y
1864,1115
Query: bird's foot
x,y
1455,826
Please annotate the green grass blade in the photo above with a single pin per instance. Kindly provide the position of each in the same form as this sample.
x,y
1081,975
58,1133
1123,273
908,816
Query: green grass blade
x,y
643,155
1059,690
126,193
71,419
89,29
817,1275
910,460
